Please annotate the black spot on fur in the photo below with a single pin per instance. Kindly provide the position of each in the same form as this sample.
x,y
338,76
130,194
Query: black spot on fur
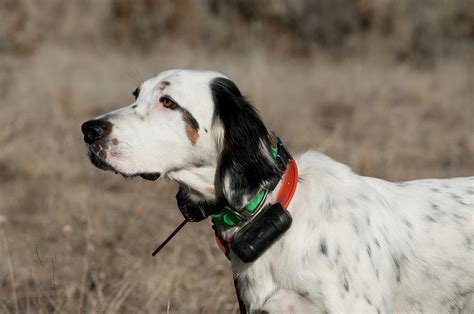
x,y
189,119
435,207
346,285
397,269
140,116
367,300
303,294
355,226
242,159
369,250
338,255
327,206
377,243
407,223
205,130
429,218
323,247
134,106
455,196
458,217
469,243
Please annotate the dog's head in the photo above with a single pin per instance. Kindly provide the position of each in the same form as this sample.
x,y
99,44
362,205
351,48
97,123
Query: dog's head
x,y
185,120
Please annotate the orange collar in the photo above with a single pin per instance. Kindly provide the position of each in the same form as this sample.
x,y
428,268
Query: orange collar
x,y
289,182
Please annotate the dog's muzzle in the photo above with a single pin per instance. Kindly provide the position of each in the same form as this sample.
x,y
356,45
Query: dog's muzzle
x,y
95,132
95,135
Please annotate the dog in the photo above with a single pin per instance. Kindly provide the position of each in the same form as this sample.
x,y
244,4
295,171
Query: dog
x,y
355,244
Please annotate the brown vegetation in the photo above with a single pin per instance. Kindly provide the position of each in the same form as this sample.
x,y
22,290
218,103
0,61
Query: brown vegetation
x,y
383,86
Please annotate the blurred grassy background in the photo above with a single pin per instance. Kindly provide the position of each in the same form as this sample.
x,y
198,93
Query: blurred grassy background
x,y
386,87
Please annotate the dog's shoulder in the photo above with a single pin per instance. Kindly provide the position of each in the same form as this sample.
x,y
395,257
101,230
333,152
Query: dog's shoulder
x,y
322,167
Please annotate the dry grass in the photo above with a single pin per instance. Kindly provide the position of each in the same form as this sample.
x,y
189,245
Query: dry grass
x,y
75,239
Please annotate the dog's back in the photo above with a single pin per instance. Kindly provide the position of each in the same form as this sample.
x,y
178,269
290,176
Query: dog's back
x,y
438,256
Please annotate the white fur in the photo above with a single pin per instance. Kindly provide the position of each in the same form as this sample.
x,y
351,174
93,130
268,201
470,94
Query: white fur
x,y
357,244
426,225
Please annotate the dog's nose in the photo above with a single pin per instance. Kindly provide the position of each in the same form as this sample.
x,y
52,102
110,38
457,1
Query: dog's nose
x,y
95,130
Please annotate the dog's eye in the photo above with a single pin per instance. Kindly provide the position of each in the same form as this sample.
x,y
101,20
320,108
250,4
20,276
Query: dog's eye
x,y
168,103
136,92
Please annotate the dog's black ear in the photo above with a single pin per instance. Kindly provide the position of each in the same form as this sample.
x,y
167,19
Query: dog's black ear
x,y
246,164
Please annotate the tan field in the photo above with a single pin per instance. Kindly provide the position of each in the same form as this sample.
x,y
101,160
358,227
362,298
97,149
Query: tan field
x,y
76,239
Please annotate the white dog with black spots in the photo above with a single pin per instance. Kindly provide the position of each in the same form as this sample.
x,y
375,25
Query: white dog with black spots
x,y
357,244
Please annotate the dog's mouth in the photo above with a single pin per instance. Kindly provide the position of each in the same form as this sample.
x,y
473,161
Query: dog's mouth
x,y
97,155
151,176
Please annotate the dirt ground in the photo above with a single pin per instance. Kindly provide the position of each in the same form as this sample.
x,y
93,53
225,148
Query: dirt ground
x,y
77,239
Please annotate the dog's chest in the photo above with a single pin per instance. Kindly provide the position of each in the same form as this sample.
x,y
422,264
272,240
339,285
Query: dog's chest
x,y
279,278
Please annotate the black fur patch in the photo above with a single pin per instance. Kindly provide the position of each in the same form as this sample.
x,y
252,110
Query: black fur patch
x,y
242,158
189,118
192,126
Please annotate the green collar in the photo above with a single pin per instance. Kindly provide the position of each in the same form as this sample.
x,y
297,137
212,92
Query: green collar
x,y
230,218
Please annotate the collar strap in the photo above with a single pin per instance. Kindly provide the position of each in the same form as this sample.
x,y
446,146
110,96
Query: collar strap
x,y
287,165
288,185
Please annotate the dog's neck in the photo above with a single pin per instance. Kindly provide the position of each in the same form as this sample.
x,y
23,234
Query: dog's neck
x,y
199,177
199,180
206,185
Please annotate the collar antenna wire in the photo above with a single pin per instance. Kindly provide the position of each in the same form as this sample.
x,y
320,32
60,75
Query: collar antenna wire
x,y
168,239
